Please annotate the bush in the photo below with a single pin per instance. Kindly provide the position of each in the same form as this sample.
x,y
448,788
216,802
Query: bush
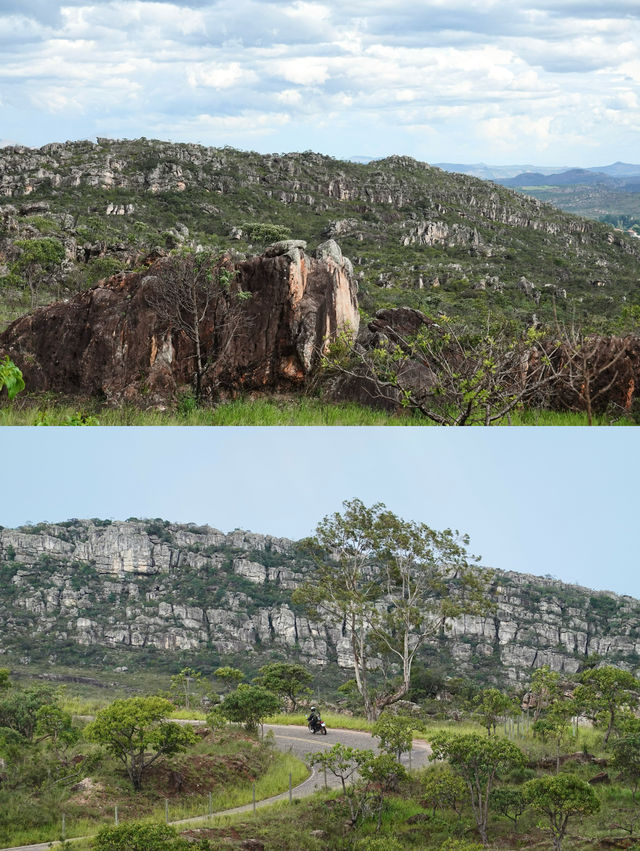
x,y
139,837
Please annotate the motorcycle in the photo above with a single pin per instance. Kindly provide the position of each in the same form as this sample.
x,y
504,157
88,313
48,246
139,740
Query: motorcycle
x,y
318,726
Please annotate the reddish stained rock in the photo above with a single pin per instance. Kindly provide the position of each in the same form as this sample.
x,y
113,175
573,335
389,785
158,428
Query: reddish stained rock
x,y
109,342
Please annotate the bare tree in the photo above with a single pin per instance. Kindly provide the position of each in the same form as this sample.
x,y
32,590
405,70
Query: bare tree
x,y
198,294
451,375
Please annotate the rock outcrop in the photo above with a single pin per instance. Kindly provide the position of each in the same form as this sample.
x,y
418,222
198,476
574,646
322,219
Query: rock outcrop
x,y
112,341
100,592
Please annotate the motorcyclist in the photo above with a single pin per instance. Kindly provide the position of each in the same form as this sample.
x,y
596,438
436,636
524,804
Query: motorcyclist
x,y
314,718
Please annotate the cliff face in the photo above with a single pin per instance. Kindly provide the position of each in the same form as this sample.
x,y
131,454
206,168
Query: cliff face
x,y
104,593
113,340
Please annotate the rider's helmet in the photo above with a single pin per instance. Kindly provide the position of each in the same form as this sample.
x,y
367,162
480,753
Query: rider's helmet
x,y
313,709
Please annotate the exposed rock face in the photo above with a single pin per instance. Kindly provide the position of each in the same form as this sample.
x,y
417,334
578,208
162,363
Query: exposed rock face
x,y
115,589
110,341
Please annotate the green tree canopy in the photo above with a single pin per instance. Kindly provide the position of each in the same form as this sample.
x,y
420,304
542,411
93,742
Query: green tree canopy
x,y
249,705
286,679
480,761
559,798
395,733
393,584
492,707
603,694
136,732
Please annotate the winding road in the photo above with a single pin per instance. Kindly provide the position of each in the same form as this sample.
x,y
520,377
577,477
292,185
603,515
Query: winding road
x,y
300,742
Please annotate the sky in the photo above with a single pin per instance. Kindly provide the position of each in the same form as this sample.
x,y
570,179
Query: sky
x,y
548,501
550,82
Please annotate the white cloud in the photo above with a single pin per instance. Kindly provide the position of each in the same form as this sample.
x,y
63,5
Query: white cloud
x,y
220,76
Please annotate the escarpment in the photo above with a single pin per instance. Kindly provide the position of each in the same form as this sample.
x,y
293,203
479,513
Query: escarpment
x,y
107,593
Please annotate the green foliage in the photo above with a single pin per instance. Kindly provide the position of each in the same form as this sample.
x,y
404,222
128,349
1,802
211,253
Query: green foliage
x,y
285,679
492,706
626,756
10,377
443,789
135,731
229,676
19,708
603,694
395,733
263,233
480,762
5,682
560,798
249,705
139,837
186,686
510,803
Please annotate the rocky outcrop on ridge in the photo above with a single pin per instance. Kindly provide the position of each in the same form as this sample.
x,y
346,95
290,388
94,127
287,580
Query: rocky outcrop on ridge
x,y
112,342
113,593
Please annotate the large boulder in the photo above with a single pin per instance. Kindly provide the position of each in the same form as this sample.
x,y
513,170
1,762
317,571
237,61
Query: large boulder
x,y
111,342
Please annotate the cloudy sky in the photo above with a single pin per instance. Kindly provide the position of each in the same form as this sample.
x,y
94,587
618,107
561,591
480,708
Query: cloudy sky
x,y
540,500
551,82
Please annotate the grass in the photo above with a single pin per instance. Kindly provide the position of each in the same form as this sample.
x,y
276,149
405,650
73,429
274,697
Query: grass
x,y
299,411
274,781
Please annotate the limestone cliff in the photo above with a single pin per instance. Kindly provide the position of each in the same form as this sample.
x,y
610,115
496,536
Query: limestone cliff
x,y
143,591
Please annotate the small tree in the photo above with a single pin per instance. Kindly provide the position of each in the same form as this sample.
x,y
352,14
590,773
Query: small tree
x,y
183,686
286,679
510,803
380,775
626,758
555,727
198,295
560,798
249,705
19,708
480,762
5,682
442,789
395,733
55,725
136,732
229,677
37,258
604,692
264,233
544,689
492,706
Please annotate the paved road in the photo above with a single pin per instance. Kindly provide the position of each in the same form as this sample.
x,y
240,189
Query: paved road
x,y
300,742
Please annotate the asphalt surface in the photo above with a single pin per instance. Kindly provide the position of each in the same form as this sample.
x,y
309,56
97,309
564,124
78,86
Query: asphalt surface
x,y
300,742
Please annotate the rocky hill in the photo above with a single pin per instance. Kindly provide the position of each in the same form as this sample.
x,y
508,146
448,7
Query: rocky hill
x,y
102,594
418,236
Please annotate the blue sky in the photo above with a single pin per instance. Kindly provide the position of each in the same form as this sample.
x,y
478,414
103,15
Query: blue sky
x,y
502,81
544,501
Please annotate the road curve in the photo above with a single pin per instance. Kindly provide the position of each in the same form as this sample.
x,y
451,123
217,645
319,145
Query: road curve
x,y
300,742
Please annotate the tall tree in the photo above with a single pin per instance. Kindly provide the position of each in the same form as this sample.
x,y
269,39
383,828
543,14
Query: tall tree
x,y
285,679
604,692
390,584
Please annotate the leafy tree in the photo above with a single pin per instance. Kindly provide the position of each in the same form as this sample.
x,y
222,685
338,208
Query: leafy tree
x,y
19,708
560,797
380,775
286,679
136,732
604,692
393,584
480,762
555,727
37,258
229,676
55,725
249,705
510,803
198,295
395,733
183,686
626,757
442,789
5,682
544,689
492,706
11,378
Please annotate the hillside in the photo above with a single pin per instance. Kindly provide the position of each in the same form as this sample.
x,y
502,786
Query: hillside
x,y
418,236
156,595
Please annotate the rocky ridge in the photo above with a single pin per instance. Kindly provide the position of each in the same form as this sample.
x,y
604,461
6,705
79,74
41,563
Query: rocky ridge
x,y
403,222
138,592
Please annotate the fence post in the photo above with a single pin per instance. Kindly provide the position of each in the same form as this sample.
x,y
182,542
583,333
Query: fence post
x,y
116,819
325,777
290,789
166,810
